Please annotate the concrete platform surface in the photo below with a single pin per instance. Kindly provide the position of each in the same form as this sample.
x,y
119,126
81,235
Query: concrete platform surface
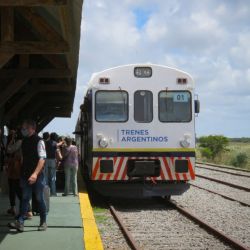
x,y
65,229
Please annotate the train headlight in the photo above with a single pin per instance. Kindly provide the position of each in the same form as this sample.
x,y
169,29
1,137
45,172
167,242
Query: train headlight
x,y
143,72
185,143
103,142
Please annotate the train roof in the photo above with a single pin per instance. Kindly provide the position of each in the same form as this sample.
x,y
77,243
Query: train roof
x,y
126,69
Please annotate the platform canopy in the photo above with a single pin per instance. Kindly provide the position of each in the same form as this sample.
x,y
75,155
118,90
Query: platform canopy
x,y
39,50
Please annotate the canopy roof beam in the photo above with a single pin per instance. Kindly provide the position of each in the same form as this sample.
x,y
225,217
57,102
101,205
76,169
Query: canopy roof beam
x,y
32,2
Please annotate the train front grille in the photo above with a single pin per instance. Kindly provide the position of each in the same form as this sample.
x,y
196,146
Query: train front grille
x,y
143,168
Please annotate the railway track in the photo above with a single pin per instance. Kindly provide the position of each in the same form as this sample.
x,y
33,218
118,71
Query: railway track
x,y
227,239
129,238
224,167
168,203
222,195
222,171
224,182
134,237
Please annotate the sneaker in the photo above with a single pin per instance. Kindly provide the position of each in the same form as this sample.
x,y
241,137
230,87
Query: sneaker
x,y
16,225
64,194
42,227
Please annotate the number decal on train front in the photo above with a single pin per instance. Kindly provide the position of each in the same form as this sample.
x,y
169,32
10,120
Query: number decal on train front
x,y
180,97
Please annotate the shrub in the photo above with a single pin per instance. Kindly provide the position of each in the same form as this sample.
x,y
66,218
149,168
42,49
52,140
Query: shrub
x,y
206,152
240,160
217,144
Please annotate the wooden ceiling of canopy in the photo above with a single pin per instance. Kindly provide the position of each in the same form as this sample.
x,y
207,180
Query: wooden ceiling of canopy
x,y
39,51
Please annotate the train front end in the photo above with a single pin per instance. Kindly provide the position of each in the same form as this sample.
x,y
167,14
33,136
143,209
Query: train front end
x,y
143,131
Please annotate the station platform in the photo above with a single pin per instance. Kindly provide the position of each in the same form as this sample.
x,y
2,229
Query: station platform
x,y
71,225
65,228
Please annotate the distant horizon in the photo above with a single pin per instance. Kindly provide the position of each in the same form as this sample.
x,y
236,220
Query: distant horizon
x,y
229,137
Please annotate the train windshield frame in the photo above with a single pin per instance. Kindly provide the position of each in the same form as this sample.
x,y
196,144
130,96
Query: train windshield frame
x,y
111,106
143,106
175,106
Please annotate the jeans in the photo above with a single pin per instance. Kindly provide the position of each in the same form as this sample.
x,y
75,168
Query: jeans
x,y
70,179
50,174
38,189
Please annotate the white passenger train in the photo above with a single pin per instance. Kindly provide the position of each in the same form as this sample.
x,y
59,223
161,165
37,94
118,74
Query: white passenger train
x,y
136,131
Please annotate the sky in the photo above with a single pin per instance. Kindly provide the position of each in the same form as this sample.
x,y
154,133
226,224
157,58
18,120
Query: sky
x,y
209,39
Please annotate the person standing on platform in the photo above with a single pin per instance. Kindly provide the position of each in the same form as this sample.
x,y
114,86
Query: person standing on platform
x,y
13,169
32,175
50,162
70,163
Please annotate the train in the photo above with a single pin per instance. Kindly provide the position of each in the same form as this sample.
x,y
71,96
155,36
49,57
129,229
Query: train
x,y
136,131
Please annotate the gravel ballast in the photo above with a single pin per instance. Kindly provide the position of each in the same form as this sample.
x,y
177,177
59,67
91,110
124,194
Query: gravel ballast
x,y
224,169
230,217
234,193
112,237
238,180
158,227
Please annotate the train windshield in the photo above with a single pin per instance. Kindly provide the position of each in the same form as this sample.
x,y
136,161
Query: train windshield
x,y
175,106
143,106
111,106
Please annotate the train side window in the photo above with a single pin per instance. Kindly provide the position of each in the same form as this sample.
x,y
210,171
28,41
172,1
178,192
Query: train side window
x,y
175,106
111,106
143,106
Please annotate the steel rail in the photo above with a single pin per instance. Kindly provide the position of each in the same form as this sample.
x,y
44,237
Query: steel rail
x,y
222,166
129,238
224,183
227,239
222,195
222,171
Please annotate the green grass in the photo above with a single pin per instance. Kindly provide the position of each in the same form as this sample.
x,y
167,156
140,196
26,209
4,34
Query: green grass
x,y
101,218
99,209
234,148
100,215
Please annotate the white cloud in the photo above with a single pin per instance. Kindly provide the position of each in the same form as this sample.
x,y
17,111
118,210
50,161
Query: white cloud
x,y
221,10
208,39
154,31
240,53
